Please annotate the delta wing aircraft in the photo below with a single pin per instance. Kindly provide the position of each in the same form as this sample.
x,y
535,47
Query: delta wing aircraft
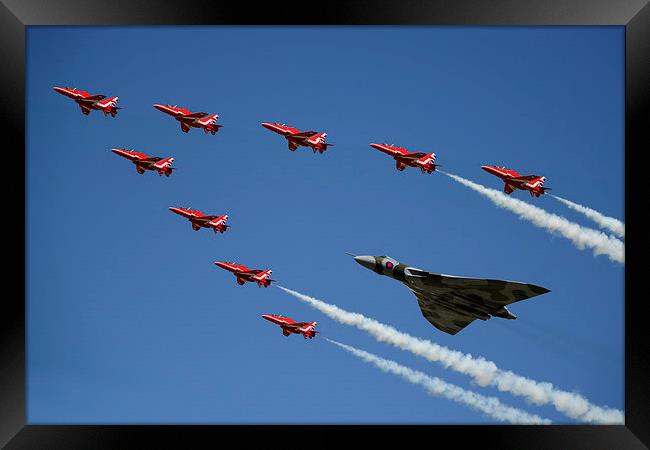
x,y
449,302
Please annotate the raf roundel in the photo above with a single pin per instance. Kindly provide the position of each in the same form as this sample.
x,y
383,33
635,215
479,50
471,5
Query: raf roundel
x,y
389,265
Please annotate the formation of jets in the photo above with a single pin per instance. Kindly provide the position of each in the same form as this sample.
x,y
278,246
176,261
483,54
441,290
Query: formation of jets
x,y
449,303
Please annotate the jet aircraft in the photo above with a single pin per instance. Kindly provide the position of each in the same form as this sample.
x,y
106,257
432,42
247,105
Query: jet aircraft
x,y
450,302
189,119
296,138
144,162
307,329
88,102
405,158
531,183
244,274
198,219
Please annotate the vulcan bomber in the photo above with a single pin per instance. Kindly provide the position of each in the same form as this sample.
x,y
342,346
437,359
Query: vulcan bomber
x,y
449,302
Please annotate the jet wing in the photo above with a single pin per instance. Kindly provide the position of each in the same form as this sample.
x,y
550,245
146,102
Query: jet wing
x,y
92,98
524,178
148,160
295,325
249,272
451,303
196,115
445,319
494,293
410,156
205,218
304,134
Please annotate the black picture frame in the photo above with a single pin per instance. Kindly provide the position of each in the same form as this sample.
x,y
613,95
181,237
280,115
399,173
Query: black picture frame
x,y
16,15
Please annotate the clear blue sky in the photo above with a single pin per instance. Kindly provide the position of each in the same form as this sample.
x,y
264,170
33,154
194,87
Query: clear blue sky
x,y
129,320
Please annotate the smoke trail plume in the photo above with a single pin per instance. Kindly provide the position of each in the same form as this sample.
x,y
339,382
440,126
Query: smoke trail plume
x,y
483,371
580,236
610,223
491,406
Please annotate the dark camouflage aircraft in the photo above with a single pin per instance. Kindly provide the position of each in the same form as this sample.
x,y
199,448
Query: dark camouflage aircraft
x,y
451,303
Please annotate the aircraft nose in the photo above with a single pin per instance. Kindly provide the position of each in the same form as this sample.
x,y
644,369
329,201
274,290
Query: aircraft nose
x,y
375,146
58,89
267,125
266,316
159,107
366,261
220,264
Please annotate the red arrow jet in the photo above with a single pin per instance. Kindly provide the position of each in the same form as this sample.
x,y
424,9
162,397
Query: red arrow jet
x,y
145,162
405,158
188,119
307,329
198,219
244,274
88,102
296,138
531,183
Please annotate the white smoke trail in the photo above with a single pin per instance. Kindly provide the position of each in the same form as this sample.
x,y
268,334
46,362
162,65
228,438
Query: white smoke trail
x,y
437,387
580,236
484,372
610,223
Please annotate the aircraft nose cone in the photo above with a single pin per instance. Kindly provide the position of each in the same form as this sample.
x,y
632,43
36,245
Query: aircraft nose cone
x,y
375,146
159,107
267,125
266,316
366,261
58,89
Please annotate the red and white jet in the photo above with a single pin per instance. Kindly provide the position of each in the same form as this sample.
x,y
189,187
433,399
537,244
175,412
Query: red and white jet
x,y
296,138
88,102
244,274
531,183
307,329
198,219
145,162
188,119
405,158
